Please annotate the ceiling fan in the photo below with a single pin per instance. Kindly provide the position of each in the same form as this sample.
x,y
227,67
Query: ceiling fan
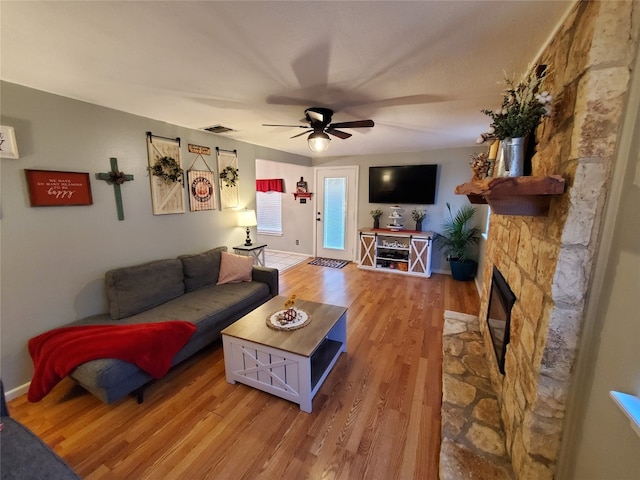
x,y
319,120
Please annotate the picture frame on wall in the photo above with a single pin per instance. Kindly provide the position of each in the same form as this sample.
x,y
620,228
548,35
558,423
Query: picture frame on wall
x,y
229,177
202,191
8,143
166,175
50,188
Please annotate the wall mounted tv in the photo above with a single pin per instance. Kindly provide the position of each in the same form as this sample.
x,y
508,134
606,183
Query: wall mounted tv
x,y
412,184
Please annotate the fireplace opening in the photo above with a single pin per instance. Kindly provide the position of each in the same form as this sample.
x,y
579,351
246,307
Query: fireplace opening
x,y
501,300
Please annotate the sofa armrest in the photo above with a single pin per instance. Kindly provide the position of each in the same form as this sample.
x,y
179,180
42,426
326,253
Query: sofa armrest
x,y
267,275
4,411
24,455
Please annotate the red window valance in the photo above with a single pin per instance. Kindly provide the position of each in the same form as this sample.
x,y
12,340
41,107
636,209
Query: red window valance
x,y
270,185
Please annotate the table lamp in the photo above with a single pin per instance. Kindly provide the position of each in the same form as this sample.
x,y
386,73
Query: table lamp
x,y
247,218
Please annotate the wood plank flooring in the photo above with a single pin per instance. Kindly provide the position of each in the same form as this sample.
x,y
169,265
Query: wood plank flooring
x,y
377,416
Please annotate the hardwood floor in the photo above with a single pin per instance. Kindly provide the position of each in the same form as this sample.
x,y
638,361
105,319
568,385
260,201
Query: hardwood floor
x,y
376,417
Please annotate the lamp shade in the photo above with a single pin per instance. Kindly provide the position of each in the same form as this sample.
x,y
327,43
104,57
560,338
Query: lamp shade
x,y
318,142
247,218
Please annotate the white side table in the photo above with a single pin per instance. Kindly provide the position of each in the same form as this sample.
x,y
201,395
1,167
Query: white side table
x,y
255,251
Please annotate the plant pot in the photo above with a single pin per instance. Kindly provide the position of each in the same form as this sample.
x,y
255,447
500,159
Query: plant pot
x,y
514,156
463,271
376,223
419,226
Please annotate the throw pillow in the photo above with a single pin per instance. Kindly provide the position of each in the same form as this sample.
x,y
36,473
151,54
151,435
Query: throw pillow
x,y
235,268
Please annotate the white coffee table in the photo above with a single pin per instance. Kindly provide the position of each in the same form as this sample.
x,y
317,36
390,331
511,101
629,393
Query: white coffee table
x,y
289,364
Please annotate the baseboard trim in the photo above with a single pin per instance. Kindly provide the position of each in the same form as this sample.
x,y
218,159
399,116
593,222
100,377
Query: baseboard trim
x,y
443,272
16,392
289,253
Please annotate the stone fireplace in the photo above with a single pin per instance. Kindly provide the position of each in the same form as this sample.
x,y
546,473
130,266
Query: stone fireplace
x,y
547,261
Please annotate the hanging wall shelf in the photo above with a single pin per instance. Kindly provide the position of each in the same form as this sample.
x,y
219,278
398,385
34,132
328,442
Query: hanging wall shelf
x,y
298,195
514,195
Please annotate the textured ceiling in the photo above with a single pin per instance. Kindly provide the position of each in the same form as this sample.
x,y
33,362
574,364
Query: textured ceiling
x,y
421,70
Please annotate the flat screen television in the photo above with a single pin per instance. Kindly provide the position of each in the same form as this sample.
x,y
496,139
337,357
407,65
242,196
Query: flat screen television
x,y
412,184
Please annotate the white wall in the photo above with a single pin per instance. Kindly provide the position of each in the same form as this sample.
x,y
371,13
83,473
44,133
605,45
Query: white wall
x,y
297,218
453,169
54,258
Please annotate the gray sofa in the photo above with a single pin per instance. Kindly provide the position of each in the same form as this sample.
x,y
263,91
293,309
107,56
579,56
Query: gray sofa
x,y
182,288
23,456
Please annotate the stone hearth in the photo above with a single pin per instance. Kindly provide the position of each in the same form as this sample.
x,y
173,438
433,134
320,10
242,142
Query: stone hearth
x,y
473,440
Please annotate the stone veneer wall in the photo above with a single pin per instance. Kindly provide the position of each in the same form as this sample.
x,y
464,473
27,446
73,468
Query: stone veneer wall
x,y
547,261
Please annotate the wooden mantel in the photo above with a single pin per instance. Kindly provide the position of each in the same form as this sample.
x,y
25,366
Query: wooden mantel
x,y
514,195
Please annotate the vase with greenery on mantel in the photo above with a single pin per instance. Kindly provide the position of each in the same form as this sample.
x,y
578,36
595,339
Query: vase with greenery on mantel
x,y
523,107
457,241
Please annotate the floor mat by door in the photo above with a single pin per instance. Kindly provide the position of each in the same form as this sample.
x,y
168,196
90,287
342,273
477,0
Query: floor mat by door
x,y
328,262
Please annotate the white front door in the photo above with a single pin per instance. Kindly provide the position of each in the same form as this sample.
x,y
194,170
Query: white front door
x,y
336,207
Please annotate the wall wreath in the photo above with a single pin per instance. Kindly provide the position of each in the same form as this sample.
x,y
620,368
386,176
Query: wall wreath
x,y
168,169
229,175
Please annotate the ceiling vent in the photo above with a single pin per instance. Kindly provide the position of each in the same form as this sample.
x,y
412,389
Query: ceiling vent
x,y
218,129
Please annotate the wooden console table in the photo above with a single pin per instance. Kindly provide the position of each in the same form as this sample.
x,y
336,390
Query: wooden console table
x,y
399,251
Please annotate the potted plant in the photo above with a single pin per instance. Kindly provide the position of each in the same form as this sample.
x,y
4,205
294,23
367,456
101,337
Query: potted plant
x,y
418,215
457,241
376,214
523,107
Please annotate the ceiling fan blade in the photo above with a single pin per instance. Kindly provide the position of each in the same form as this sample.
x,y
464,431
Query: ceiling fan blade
x,y
355,124
299,135
288,126
291,101
338,133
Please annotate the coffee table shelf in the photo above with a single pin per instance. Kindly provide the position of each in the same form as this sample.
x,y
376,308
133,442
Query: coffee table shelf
x,y
289,364
322,360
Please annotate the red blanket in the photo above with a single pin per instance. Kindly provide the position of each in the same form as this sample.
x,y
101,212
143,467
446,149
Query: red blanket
x,y
150,346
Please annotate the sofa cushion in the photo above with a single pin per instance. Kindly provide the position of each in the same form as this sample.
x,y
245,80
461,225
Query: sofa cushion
x,y
132,290
202,269
235,268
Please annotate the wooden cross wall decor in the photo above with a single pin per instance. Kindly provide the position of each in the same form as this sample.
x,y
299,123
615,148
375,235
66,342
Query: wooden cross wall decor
x,y
115,178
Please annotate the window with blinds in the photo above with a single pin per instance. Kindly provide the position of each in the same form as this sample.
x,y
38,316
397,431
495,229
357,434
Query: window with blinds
x,y
269,212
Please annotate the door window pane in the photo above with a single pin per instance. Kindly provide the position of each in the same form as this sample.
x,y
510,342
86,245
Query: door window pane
x,y
335,220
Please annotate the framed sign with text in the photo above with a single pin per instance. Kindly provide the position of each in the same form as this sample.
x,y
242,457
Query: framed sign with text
x,y
48,188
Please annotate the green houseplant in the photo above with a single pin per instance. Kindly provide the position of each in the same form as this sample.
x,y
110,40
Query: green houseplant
x,y
418,215
457,241
376,214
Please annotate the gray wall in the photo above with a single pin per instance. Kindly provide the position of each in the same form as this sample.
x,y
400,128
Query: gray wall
x,y
54,258
453,169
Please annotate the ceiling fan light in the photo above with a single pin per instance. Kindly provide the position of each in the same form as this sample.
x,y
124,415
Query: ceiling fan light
x,y
318,142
